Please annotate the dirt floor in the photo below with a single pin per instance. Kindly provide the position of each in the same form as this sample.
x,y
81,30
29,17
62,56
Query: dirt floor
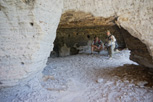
x,y
87,78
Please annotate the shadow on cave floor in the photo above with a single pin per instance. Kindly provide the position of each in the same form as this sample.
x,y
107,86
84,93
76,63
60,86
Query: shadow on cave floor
x,y
130,73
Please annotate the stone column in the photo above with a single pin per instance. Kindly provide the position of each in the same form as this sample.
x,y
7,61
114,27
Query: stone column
x,y
27,31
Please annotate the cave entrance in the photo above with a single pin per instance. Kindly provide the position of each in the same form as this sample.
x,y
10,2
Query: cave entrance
x,y
77,30
94,78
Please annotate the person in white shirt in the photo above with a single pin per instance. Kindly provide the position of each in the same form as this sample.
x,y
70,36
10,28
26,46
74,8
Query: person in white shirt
x,y
111,43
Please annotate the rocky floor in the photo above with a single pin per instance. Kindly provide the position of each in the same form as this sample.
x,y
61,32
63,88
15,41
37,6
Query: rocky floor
x,y
87,78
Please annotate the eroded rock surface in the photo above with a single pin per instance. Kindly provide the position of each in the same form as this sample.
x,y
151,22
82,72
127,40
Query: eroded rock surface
x,y
139,52
27,32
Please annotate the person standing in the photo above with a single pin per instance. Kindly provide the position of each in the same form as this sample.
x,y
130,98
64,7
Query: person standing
x,y
111,40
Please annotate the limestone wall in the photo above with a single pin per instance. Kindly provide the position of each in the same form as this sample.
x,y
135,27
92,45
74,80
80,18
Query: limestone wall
x,y
27,31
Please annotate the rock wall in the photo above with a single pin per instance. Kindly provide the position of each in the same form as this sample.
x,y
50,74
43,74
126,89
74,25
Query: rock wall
x,y
27,31
139,52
